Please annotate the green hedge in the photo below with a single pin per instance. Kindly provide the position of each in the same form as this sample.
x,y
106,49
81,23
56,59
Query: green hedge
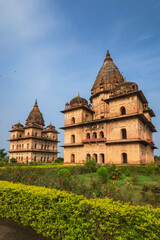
x,y
60,215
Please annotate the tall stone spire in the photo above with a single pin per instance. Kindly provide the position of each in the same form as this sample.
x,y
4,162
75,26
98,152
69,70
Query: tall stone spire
x,y
108,77
35,117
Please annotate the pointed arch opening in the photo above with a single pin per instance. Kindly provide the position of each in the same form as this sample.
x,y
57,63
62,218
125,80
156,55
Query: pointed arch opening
x,y
94,135
123,110
88,136
72,158
124,158
101,135
72,138
124,133
95,157
88,156
102,158
73,120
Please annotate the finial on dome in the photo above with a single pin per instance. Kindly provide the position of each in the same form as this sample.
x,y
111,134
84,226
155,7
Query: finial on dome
x,y
78,95
35,103
108,57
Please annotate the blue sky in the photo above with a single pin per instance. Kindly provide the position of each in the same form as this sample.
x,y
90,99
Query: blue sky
x,y
53,49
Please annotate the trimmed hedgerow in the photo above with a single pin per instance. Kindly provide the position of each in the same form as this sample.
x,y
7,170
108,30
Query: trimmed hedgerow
x,y
60,215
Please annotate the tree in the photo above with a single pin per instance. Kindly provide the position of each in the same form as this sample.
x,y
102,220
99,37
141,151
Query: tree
x,y
3,155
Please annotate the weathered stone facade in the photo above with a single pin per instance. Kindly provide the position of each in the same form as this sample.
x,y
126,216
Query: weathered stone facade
x,y
33,142
116,128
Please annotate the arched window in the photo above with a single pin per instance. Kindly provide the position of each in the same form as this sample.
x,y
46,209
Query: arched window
x,y
124,157
124,133
53,159
35,159
102,158
101,134
73,120
36,134
53,147
95,157
35,146
47,159
13,147
88,136
123,111
22,146
28,133
21,159
27,145
48,147
94,135
73,139
72,158
42,147
13,136
88,156
27,159
19,146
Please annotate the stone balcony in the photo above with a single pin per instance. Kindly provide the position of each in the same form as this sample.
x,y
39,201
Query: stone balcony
x,y
94,140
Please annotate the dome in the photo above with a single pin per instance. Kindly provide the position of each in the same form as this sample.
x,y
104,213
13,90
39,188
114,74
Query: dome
x,y
18,126
108,77
50,128
35,117
78,101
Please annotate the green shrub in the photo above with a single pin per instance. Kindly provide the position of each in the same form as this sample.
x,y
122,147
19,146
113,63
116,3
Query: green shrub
x,y
64,173
60,215
90,164
13,160
151,167
114,171
127,173
103,173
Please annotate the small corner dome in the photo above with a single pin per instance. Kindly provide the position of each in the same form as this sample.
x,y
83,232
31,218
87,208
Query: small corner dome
x,y
50,127
78,101
18,126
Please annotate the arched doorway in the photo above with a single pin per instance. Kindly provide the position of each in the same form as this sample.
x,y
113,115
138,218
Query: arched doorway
x,y
101,135
73,120
94,135
124,158
102,158
95,156
124,133
88,156
72,158
88,136
123,111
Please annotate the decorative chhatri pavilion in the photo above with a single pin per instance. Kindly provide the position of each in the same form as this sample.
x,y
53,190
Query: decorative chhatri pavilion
x,y
33,142
115,128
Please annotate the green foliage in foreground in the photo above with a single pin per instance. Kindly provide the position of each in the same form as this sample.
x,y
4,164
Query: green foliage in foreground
x,y
60,215
103,173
